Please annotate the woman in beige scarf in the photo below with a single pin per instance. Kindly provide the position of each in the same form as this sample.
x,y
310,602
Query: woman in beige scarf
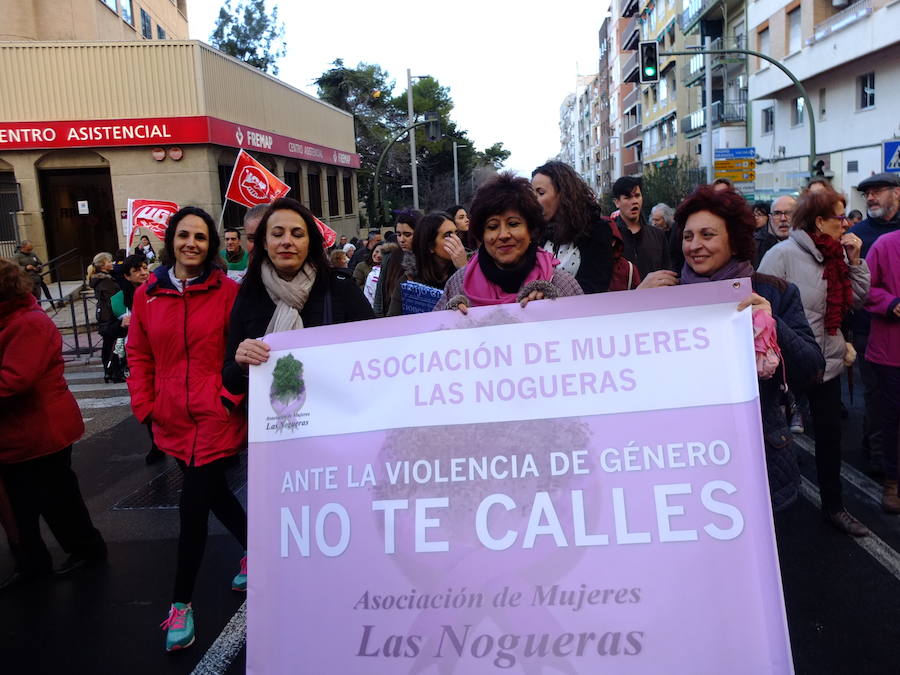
x,y
289,285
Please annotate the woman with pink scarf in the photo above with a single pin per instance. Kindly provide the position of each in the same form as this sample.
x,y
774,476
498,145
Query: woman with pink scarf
x,y
507,221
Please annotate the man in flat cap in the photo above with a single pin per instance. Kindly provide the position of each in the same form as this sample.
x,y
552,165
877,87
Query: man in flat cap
x,y
882,193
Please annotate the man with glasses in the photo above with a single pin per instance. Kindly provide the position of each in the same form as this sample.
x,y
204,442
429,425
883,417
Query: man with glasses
x,y
778,229
882,193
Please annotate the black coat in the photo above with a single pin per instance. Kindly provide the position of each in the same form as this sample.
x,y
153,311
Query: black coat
x,y
802,366
253,309
648,248
596,249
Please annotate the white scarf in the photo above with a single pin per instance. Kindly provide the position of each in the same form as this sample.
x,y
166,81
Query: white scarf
x,y
289,296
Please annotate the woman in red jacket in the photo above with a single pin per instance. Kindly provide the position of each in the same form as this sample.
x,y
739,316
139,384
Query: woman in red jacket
x,y
176,344
39,422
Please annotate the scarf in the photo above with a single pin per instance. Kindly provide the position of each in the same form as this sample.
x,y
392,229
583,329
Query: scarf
x,y
235,257
486,284
839,292
733,269
289,296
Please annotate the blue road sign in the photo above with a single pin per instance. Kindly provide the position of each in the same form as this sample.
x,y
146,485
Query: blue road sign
x,y
891,155
735,153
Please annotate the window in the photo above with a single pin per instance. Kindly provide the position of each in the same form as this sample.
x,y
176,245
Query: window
x,y
333,206
768,120
762,45
797,111
663,90
146,27
866,87
292,180
348,195
127,12
110,3
821,104
853,166
160,32
793,20
315,193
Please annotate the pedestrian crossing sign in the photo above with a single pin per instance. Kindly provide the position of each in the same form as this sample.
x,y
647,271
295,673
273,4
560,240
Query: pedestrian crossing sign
x,y
891,156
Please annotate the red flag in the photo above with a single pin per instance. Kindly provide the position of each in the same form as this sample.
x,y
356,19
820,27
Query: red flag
x,y
328,234
151,214
251,183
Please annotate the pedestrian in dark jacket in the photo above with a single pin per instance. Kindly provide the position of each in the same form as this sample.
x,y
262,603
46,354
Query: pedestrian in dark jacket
x,y
718,244
176,344
105,287
577,233
39,422
289,285
644,245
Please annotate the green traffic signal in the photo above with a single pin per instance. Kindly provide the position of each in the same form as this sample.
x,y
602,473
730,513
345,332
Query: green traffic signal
x,y
649,71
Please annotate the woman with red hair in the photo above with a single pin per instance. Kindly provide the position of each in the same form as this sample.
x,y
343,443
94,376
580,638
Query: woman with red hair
x,y
826,266
718,244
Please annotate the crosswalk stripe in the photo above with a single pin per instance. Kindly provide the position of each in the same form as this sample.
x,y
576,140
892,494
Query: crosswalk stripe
x,y
80,388
874,545
111,402
854,476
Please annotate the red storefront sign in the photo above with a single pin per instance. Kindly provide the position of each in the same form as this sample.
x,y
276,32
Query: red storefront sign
x,y
163,131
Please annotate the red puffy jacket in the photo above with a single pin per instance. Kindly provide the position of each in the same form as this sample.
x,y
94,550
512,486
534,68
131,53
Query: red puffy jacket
x,y
176,345
38,414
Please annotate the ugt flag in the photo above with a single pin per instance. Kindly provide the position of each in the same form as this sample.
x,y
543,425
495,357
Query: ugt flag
x,y
328,234
251,183
150,214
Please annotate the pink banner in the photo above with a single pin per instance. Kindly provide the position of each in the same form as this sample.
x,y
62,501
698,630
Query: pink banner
x,y
581,496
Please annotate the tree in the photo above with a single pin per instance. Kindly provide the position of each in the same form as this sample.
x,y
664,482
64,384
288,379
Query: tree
x,y
494,156
248,33
670,182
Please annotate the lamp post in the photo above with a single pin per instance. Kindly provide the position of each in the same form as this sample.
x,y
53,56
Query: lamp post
x,y
412,135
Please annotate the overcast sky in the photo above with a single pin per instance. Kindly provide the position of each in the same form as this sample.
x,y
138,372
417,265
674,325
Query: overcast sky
x,y
508,65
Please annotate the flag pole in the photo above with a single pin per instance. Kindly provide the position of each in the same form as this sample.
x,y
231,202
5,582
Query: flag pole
x,y
225,200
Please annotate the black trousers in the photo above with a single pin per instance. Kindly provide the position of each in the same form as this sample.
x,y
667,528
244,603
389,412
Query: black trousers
x,y
47,487
825,406
889,386
205,489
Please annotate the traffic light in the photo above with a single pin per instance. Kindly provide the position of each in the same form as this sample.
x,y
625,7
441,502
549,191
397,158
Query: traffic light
x,y
649,58
433,128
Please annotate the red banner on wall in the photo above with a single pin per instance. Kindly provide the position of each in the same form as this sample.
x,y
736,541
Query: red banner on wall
x,y
252,184
164,131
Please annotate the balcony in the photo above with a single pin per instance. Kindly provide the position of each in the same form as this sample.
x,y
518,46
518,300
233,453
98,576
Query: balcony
x,y
630,68
631,99
726,60
631,35
724,113
694,12
633,169
853,13
693,71
629,8
632,136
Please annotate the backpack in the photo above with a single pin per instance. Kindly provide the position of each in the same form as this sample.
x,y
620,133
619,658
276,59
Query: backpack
x,y
625,274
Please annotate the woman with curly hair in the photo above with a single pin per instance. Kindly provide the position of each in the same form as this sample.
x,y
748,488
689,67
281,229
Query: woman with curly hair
x,y
509,266
577,232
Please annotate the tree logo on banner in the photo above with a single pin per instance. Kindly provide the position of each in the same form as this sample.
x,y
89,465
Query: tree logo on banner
x,y
253,185
288,391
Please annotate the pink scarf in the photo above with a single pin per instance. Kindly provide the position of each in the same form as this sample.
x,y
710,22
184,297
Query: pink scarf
x,y
481,292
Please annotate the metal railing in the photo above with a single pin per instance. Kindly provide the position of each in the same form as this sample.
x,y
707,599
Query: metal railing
x,y
726,112
78,338
852,14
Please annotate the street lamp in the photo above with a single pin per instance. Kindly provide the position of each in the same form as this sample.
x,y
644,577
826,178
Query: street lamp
x,y
412,134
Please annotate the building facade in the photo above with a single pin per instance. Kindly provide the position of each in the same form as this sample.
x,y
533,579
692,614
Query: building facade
x,y
662,102
848,58
93,124
629,90
52,20
604,132
724,23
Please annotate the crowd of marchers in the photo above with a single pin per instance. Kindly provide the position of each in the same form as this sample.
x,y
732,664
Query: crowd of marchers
x,y
183,326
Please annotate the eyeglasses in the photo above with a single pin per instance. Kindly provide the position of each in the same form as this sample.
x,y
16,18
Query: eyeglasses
x,y
840,218
782,214
874,191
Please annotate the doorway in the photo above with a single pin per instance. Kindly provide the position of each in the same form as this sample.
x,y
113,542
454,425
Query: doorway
x,y
78,214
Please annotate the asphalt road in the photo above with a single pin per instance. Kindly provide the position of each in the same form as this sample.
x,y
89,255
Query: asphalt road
x,y
842,595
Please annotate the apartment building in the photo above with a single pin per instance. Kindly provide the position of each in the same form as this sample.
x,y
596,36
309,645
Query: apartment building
x,y
724,23
602,152
629,91
661,102
847,55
